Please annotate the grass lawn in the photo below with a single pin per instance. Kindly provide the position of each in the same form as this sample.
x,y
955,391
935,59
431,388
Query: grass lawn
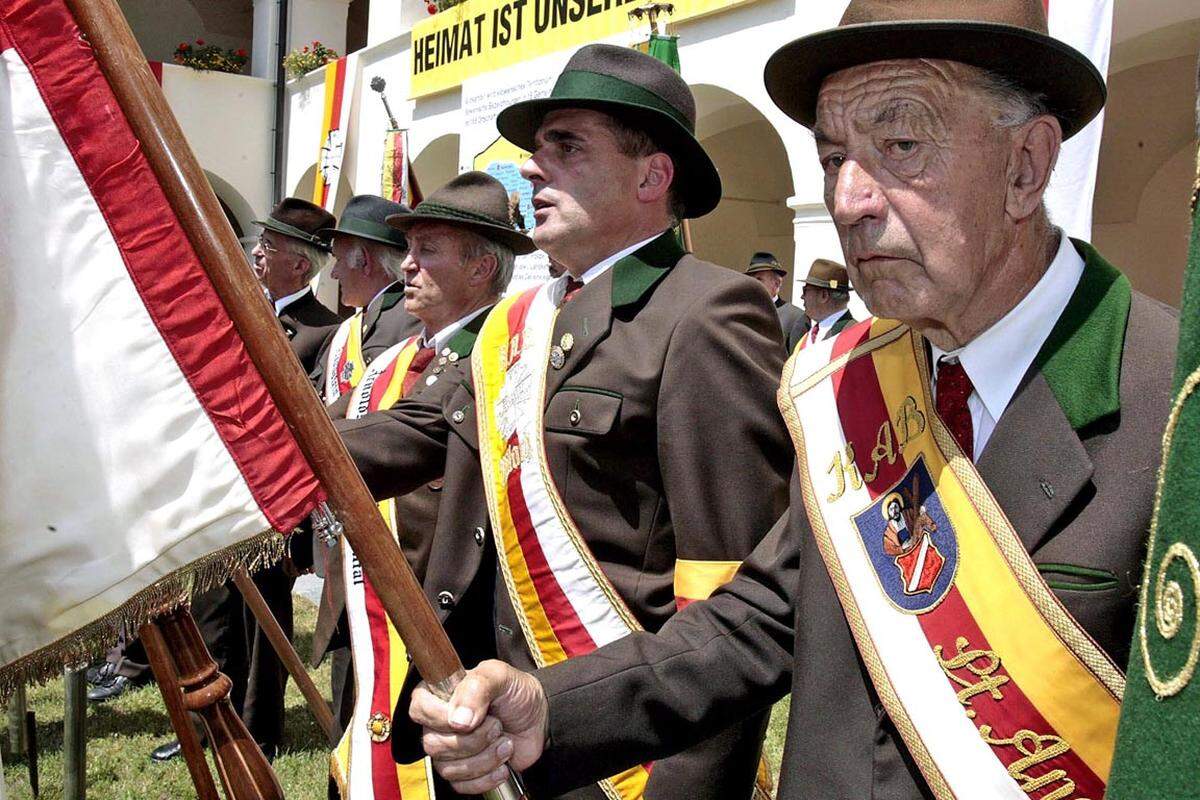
x,y
122,733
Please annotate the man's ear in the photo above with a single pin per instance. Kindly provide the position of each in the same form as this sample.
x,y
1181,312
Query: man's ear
x,y
658,174
1035,151
301,266
483,270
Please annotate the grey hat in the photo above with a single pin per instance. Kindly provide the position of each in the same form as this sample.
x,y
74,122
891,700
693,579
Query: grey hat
x,y
365,216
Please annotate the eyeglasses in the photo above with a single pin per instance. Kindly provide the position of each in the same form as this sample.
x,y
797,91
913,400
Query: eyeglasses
x,y
266,246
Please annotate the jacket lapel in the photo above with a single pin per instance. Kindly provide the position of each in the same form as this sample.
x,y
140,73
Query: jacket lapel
x,y
1035,478
386,301
588,317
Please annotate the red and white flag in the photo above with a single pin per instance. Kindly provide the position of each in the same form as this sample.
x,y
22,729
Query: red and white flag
x,y
139,447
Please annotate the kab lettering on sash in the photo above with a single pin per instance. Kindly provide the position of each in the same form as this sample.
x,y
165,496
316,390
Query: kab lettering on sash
x,y
843,469
907,423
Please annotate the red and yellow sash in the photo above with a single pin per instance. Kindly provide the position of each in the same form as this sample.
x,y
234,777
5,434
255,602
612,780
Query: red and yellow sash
x,y
344,366
362,763
996,689
564,602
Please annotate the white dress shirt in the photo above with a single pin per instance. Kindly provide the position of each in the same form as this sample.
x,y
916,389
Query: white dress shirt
x,y
997,359
284,302
596,271
823,327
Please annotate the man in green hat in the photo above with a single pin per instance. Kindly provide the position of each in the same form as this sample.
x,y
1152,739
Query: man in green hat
x,y
767,270
951,596
291,250
826,295
604,438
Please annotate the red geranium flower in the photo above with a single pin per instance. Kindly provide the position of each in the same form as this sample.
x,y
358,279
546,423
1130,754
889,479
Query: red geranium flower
x,y
200,42
241,53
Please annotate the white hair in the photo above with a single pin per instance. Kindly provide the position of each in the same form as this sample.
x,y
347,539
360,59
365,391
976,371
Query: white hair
x,y
390,257
477,246
318,258
1015,104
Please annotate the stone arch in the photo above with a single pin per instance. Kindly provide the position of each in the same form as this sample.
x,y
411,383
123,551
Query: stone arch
x,y
437,163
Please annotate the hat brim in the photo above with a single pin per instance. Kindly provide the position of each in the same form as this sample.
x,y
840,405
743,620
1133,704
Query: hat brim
x,y
766,268
520,243
1074,90
318,239
698,184
329,233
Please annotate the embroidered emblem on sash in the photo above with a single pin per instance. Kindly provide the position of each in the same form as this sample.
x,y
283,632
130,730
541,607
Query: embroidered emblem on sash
x,y
910,542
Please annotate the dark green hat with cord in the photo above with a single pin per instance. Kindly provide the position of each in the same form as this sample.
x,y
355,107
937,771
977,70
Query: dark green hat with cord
x,y
643,93
301,220
365,216
763,261
475,201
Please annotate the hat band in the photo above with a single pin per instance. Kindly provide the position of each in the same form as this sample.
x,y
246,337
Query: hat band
x,y
365,227
451,213
578,84
296,233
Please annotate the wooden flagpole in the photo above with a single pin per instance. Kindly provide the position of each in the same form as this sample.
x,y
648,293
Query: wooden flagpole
x,y
192,199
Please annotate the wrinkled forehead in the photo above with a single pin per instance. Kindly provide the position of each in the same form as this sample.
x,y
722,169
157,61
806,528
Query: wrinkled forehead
x,y
903,93
436,233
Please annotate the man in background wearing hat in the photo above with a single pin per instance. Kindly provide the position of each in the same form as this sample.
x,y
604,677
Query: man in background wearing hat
x,y
291,250
947,630
624,409
767,270
455,269
368,254
826,295
368,257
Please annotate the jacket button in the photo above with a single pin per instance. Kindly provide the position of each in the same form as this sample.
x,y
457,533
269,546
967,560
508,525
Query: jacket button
x,y
575,417
445,600
458,416
480,535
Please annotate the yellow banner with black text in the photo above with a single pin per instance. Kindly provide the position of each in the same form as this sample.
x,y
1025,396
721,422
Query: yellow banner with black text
x,y
478,36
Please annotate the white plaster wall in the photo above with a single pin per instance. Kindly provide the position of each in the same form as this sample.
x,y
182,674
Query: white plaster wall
x,y
227,120
323,20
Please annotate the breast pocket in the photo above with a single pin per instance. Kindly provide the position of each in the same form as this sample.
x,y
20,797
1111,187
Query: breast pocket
x,y
583,411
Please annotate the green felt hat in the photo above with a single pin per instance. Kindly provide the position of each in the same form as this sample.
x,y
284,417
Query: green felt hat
x,y
1008,37
365,216
642,92
475,201
763,261
301,220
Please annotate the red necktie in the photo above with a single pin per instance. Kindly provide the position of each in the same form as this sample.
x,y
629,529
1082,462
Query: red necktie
x,y
573,287
813,334
953,388
416,367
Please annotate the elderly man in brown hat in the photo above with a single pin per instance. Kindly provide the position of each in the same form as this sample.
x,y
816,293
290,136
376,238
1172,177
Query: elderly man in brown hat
x,y
603,440
951,596
767,270
826,294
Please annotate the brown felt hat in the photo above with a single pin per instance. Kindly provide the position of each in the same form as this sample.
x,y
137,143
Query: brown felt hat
x,y
301,220
642,92
475,201
828,275
763,261
1008,37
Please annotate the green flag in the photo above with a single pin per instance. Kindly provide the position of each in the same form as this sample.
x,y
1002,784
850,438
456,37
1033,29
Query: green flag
x,y
666,50
1158,741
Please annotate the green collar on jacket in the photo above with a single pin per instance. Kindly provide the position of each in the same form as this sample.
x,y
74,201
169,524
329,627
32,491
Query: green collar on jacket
x,y
464,339
1081,359
636,273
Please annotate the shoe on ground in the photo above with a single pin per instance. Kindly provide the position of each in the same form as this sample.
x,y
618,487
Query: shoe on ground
x,y
166,752
111,689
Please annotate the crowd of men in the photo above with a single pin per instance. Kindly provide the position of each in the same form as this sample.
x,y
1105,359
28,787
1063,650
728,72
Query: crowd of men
x,y
630,529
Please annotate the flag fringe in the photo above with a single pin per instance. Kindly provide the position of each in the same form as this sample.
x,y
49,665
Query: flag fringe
x,y
160,597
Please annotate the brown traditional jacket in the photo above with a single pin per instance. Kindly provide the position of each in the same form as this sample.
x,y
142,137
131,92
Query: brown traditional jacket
x,y
675,450
1072,462
307,323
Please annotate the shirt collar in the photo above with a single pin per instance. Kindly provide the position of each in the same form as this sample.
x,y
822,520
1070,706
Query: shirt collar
x,y
997,359
284,302
827,323
596,271
442,337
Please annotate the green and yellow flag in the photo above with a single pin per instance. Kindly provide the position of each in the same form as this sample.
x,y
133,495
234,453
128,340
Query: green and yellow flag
x,y
1158,741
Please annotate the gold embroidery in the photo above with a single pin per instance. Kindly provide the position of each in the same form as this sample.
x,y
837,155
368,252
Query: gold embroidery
x,y
910,421
966,659
841,469
511,458
1035,749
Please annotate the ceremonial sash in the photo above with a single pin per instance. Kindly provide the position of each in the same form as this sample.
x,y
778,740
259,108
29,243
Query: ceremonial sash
x,y
563,601
997,691
344,366
362,763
